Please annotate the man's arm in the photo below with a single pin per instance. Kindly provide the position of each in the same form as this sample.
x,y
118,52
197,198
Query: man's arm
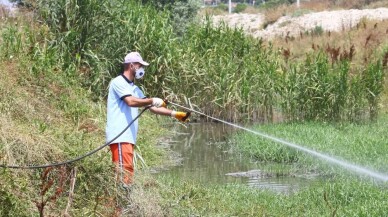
x,y
161,111
181,116
137,102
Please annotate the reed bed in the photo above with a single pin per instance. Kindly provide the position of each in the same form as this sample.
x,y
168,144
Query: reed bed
x,y
215,68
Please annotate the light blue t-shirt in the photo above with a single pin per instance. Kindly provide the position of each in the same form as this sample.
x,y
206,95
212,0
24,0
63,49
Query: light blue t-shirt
x,y
119,114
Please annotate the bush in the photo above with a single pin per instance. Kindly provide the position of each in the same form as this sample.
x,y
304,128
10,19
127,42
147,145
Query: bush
x,y
318,30
223,7
183,13
275,3
240,8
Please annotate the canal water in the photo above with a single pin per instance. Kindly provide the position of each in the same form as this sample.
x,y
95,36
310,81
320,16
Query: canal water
x,y
207,157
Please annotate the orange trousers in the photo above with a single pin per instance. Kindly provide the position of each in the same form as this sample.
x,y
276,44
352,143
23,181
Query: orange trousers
x,y
122,156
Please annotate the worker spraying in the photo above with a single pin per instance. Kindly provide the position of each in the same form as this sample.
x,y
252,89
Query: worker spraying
x,y
124,99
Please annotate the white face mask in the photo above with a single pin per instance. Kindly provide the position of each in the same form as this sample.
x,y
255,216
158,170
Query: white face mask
x,y
139,73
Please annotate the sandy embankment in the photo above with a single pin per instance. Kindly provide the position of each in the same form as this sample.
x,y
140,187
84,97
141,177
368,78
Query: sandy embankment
x,y
328,20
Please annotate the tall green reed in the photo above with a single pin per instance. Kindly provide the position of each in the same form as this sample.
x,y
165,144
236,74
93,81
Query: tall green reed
x,y
318,90
11,42
95,35
216,68
373,81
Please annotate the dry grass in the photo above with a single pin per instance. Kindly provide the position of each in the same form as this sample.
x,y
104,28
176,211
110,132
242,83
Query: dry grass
x,y
144,201
321,5
367,39
273,14
4,12
378,4
211,11
26,121
30,119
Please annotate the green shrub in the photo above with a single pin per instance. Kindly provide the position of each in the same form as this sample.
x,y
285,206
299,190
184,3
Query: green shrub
x,y
223,7
240,8
219,69
318,30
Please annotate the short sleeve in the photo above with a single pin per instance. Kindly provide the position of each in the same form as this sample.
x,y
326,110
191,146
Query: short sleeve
x,y
122,90
138,93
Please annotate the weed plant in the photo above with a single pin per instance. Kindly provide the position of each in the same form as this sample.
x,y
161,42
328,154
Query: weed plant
x,y
45,110
362,144
342,197
48,116
219,69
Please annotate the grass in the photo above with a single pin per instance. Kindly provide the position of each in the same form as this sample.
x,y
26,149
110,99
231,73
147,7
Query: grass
x,y
242,77
344,197
51,134
48,116
338,192
52,105
362,144
273,11
368,39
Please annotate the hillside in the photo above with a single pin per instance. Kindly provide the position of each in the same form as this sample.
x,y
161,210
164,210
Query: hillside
x,y
48,116
301,21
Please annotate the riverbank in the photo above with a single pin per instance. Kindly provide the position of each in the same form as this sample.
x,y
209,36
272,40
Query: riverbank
x,y
337,190
52,108
345,197
48,116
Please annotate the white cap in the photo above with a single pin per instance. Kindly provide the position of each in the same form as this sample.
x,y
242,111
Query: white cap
x,y
134,57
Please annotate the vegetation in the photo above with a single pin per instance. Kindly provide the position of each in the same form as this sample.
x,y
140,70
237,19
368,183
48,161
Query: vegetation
x,y
336,191
363,144
47,116
344,197
240,8
240,76
57,64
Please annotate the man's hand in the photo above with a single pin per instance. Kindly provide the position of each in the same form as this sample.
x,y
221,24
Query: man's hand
x,y
181,116
157,102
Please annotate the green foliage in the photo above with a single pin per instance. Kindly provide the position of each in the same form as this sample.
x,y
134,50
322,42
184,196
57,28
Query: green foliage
x,y
223,7
362,144
318,90
300,12
183,14
240,77
50,118
373,81
10,204
342,197
218,69
11,39
96,35
240,8
318,30
274,3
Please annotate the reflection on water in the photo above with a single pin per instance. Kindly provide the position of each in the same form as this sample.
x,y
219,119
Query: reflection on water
x,y
206,157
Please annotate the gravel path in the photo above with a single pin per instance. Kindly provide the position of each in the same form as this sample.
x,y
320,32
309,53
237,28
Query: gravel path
x,y
328,20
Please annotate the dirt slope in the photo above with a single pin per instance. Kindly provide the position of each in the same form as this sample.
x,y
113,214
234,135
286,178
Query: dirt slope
x,y
327,20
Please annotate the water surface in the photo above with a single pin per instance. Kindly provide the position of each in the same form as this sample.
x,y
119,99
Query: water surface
x,y
207,158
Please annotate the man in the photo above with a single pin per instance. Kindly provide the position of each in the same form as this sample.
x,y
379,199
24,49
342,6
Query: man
x,y
124,98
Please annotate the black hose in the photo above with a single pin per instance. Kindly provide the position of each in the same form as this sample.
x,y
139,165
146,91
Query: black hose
x,y
80,157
